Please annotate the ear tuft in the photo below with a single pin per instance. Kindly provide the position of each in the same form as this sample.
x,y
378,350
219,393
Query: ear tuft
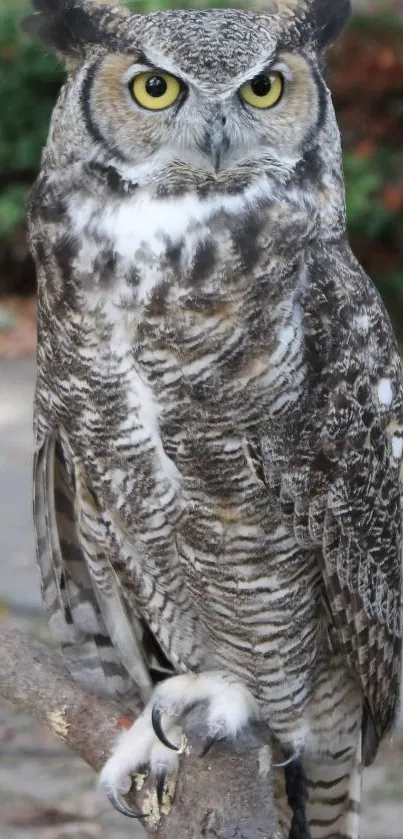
x,y
329,19
68,25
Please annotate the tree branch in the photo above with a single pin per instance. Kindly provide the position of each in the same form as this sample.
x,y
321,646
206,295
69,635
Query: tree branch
x,y
222,796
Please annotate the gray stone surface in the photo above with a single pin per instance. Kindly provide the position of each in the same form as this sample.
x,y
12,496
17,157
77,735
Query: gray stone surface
x,y
18,577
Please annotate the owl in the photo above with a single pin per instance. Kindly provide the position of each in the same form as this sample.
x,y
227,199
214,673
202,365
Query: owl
x,y
219,402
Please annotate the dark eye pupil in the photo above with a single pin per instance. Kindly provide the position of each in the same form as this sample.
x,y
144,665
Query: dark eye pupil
x,y
156,86
261,85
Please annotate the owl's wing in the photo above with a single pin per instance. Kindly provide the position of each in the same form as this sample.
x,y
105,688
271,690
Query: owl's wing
x,y
358,523
337,472
103,648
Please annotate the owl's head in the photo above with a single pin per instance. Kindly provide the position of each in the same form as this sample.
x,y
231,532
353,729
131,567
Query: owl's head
x,y
200,91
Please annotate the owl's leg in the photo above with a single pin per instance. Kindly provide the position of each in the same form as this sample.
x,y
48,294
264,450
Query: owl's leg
x,y
229,708
296,785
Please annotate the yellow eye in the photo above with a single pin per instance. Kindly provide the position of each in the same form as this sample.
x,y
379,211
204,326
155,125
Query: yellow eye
x,y
155,91
264,91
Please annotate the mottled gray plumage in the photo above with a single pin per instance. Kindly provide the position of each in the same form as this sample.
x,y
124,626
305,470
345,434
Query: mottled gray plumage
x,y
219,409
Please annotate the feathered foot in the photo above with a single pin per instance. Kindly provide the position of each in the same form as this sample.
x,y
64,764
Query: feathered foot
x,y
155,741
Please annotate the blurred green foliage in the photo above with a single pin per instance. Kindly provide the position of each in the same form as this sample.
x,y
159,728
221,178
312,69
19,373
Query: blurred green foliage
x,y
374,195
367,211
29,82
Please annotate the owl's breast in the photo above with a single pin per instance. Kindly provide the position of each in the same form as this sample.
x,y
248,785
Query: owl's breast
x,y
208,251
187,343
184,317
194,300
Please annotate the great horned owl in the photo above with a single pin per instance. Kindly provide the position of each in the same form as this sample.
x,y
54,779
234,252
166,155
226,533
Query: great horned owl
x,y
219,417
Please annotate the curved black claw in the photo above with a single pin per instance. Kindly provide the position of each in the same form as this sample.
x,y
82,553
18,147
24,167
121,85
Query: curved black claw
x,y
157,726
160,787
121,808
294,757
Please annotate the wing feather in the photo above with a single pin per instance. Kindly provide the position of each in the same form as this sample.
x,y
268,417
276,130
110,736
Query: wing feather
x,y
101,646
340,466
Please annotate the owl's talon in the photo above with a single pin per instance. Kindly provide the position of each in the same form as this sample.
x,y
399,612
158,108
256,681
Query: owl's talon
x,y
294,757
145,746
121,808
156,714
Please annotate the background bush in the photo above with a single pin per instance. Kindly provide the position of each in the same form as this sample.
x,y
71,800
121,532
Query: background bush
x,y
29,81
368,85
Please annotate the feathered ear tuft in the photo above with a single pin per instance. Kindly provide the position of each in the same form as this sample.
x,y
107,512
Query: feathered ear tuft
x,y
329,18
67,26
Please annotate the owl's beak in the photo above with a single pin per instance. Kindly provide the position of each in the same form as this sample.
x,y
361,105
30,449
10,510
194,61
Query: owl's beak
x,y
217,141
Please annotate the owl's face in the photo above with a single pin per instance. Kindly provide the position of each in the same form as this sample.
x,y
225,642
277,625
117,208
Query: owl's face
x,y
244,98
209,90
